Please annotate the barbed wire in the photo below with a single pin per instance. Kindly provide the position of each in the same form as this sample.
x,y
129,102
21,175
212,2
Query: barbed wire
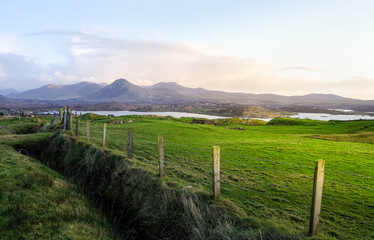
x,y
280,210
265,160
269,169
346,202
328,226
180,145
267,195
348,184
327,212
178,170
189,163
143,136
185,151
351,174
269,184
145,141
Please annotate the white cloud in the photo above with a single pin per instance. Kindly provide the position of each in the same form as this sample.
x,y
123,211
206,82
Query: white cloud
x,y
8,44
142,82
2,73
101,59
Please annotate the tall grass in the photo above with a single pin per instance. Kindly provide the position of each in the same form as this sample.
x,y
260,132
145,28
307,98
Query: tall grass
x,y
37,203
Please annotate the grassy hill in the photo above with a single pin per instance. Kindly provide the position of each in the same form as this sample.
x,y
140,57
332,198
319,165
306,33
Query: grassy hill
x,y
38,203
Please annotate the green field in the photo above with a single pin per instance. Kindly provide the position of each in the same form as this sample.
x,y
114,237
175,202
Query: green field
x,y
36,202
266,170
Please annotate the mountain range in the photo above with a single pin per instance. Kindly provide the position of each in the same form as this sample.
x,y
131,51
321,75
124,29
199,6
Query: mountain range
x,y
59,92
7,91
123,91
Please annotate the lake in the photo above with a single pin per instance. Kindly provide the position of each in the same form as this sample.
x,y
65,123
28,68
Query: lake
x,y
164,114
312,116
328,117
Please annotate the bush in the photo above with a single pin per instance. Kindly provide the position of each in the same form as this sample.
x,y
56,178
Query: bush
x,y
291,121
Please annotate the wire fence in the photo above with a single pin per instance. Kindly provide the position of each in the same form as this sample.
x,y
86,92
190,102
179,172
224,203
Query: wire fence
x,y
262,187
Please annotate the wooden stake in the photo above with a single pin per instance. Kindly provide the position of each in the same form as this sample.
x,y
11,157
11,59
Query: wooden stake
x,y
104,134
216,171
161,158
60,111
65,118
317,197
129,143
88,131
77,127
70,120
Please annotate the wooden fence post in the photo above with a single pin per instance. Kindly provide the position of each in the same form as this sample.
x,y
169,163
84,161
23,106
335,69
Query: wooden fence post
x,y
161,158
65,118
104,134
60,111
77,127
70,119
317,197
88,131
129,143
216,171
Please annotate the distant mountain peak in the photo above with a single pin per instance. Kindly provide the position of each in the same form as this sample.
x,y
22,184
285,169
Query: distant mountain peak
x,y
53,86
120,80
167,84
7,91
59,92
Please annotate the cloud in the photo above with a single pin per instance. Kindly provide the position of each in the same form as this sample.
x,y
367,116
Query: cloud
x,y
104,59
2,73
297,68
23,73
8,44
16,70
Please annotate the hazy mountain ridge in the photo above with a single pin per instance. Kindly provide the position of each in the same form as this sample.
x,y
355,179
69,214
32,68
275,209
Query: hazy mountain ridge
x,y
5,100
123,91
59,92
5,92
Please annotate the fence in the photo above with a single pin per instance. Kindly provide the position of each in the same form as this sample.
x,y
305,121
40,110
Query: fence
x,y
264,188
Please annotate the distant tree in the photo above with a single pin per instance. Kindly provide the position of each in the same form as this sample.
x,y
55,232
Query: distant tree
x,y
1,114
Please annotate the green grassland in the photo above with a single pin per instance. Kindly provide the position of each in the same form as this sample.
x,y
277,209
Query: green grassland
x,y
36,202
266,170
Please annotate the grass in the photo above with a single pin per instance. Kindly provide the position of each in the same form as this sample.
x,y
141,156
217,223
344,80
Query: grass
x,y
266,173
38,203
265,170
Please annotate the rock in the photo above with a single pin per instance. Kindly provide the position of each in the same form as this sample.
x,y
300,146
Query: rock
x,y
187,187
236,128
203,121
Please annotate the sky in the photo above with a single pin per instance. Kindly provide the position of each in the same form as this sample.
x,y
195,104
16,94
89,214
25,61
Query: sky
x,y
288,47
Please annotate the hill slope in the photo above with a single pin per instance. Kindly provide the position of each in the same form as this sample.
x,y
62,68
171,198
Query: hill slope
x,y
7,91
59,92
123,91
5,100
